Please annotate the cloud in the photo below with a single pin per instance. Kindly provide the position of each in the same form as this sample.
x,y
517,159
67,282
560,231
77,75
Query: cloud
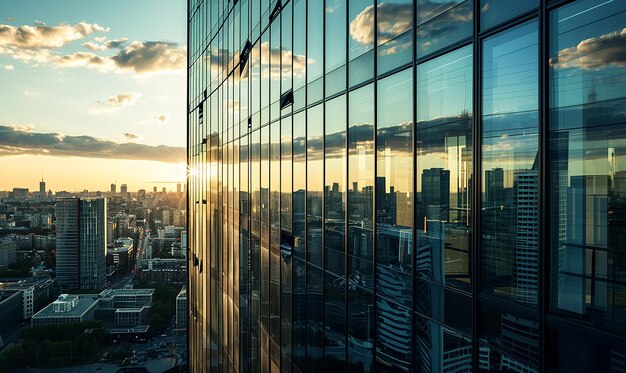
x,y
9,67
161,118
594,53
31,93
40,36
130,136
150,56
9,19
16,141
114,103
106,44
83,59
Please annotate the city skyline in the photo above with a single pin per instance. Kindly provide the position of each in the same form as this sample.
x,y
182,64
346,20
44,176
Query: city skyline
x,y
88,97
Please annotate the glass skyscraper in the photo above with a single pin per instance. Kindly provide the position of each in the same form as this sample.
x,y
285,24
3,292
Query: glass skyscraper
x,y
407,185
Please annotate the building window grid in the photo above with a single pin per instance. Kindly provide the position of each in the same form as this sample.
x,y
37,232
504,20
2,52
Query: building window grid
x,y
543,124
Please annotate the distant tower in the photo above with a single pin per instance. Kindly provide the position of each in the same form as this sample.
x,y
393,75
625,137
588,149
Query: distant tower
x,y
81,243
164,190
179,188
113,188
42,187
124,191
154,189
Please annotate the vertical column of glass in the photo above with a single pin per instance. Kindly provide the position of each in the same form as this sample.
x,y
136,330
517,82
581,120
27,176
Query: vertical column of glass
x,y
442,210
299,238
360,292
394,221
509,256
265,77
275,265
286,191
335,183
275,68
314,234
255,249
587,140
265,250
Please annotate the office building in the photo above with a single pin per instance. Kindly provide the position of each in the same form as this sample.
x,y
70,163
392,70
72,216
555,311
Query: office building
x,y
113,188
81,243
406,185
42,187
37,292
8,252
181,310
10,312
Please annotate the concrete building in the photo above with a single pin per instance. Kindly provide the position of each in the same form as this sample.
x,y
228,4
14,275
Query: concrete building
x,y
181,310
81,243
68,309
37,293
7,253
10,312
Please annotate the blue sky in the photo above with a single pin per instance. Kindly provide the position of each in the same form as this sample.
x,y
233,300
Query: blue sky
x,y
92,92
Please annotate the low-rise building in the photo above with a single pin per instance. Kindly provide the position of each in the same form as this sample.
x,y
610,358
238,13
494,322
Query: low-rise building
x,y
8,254
10,312
37,293
68,309
169,271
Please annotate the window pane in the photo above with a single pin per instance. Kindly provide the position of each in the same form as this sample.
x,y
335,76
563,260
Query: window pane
x,y
315,183
299,183
444,168
588,162
394,179
285,173
395,39
361,41
493,12
442,23
361,169
509,213
335,184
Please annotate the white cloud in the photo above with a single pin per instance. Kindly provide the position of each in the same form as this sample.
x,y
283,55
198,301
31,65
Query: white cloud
x,y
40,36
594,53
161,118
115,103
9,67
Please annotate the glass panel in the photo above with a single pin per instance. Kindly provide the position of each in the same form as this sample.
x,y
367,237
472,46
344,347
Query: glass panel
x,y
335,183
394,179
393,337
509,213
361,41
299,44
493,12
315,40
275,78
361,173
335,34
440,349
299,183
444,168
335,323
286,48
314,312
285,173
395,39
360,329
299,314
442,23
588,162
265,78
315,183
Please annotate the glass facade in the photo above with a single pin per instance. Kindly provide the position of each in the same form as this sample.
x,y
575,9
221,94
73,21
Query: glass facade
x,y
407,185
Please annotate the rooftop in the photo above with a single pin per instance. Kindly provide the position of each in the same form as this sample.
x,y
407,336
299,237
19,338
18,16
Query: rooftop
x,y
85,303
121,292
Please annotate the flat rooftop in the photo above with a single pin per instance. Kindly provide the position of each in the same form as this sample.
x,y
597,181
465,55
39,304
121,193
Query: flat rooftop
x,y
85,302
119,292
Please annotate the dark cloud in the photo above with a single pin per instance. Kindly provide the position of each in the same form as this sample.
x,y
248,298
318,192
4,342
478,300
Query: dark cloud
x,y
16,140
594,53
130,136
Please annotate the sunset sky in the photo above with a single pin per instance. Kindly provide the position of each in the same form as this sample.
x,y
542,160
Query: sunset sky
x,y
92,92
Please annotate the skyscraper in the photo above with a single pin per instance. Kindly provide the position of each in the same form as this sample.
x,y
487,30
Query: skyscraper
x,y
42,187
81,243
406,186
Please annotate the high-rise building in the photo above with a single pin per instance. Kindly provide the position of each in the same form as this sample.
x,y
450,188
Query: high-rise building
x,y
113,188
406,185
42,187
81,243
124,191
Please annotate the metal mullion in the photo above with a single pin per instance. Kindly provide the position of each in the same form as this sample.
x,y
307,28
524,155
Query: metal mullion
x,y
543,179
323,103
476,185
414,182
346,240
374,212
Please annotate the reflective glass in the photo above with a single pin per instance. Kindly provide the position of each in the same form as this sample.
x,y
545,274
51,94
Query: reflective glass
x,y
361,41
361,172
334,323
315,183
441,23
286,173
360,329
444,168
299,183
493,12
394,337
335,183
394,179
588,163
395,36
441,349
509,213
